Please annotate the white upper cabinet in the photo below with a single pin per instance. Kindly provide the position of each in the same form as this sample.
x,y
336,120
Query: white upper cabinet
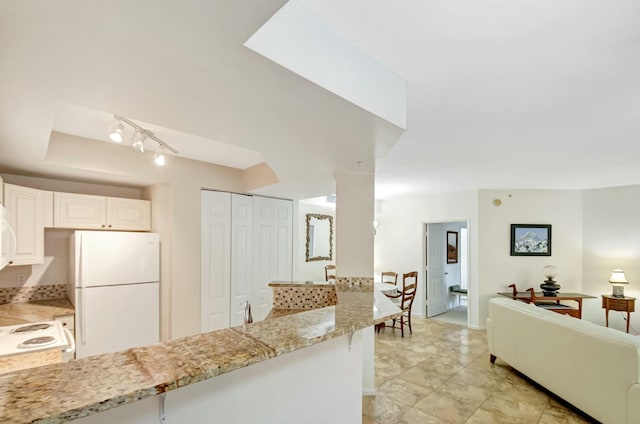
x,y
128,214
27,210
80,211
83,211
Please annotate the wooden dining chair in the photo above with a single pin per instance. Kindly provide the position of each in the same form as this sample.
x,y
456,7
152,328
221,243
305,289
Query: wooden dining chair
x,y
406,295
389,277
330,273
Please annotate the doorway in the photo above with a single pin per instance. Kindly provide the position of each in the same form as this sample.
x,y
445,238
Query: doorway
x,y
446,270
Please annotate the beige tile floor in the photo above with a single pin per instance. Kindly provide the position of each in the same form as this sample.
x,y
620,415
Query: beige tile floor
x,y
442,374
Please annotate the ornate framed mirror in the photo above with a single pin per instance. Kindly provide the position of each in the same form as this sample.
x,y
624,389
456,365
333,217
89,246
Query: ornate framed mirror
x,y
319,237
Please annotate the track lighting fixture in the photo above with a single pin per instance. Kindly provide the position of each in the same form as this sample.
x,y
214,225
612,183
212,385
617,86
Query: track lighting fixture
x,y
159,158
137,142
116,134
116,131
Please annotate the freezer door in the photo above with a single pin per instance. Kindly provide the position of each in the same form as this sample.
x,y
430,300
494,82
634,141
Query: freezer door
x,y
109,319
113,258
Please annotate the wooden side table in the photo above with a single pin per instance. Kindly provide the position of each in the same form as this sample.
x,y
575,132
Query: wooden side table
x,y
624,304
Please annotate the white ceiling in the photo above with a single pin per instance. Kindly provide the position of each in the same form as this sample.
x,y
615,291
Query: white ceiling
x,y
502,94
505,94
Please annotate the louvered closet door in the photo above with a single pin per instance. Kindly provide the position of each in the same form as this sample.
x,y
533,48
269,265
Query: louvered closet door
x,y
241,252
215,260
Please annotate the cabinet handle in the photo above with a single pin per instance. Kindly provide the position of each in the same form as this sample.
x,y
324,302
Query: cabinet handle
x,y
109,225
103,225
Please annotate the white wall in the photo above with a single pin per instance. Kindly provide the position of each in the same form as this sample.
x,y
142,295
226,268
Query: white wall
x,y
399,243
497,269
303,270
611,239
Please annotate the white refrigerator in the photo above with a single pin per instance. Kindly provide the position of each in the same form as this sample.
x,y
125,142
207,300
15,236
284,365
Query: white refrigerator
x,y
115,289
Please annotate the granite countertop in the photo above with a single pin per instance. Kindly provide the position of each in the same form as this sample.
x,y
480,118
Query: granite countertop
x,y
60,392
300,283
34,311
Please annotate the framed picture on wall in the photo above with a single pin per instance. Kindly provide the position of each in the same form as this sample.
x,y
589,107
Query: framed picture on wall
x,y
452,247
530,240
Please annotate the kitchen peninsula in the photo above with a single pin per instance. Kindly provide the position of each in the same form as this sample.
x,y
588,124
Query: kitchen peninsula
x,y
318,380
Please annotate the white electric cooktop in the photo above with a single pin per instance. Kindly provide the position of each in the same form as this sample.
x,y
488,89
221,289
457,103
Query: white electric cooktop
x,y
32,337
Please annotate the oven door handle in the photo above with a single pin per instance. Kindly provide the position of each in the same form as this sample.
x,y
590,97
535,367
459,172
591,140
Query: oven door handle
x,y
70,340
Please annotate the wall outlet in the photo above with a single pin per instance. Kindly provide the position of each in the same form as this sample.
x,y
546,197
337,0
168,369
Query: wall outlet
x,y
21,278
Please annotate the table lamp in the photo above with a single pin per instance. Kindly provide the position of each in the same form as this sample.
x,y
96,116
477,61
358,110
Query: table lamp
x,y
550,287
617,280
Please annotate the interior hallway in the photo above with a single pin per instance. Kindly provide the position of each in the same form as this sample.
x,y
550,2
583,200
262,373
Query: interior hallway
x,y
442,374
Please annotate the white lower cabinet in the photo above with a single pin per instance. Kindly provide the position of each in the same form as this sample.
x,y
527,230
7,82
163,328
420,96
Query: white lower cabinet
x,y
26,207
247,242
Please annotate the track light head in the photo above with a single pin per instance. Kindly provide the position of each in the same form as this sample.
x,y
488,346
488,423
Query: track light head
x,y
138,141
116,131
159,157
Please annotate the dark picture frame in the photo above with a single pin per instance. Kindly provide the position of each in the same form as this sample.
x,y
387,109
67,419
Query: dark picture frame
x,y
530,240
452,247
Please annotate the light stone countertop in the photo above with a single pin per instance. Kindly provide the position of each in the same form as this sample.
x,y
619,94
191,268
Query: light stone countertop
x,y
61,392
34,311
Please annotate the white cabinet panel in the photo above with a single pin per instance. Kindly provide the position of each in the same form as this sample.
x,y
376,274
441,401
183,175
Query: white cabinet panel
x,y
79,211
25,208
215,260
88,212
128,214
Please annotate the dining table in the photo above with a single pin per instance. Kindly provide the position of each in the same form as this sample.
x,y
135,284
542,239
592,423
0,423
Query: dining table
x,y
386,288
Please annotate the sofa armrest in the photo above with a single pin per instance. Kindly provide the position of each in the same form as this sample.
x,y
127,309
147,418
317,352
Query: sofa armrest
x,y
633,404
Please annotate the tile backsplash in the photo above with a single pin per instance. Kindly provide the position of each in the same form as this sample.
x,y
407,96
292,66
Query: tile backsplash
x,y
24,294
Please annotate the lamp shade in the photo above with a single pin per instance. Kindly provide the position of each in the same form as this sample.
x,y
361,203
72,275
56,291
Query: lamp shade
x,y
618,277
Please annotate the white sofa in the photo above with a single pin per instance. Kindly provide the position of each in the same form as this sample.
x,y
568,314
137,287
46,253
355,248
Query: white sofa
x,y
596,369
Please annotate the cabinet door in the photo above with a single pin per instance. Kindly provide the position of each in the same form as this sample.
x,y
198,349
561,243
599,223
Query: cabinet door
x,y
128,214
79,211
25,216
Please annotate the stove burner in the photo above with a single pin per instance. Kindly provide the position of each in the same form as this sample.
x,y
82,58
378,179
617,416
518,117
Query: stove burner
x,y
31,328
37,341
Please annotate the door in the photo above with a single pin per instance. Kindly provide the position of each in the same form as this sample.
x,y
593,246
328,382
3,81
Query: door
x,y
113,318
215,262
115,258
241,252
272,252
437,294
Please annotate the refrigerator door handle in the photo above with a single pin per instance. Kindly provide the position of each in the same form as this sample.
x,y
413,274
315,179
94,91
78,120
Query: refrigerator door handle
x,y
82,316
